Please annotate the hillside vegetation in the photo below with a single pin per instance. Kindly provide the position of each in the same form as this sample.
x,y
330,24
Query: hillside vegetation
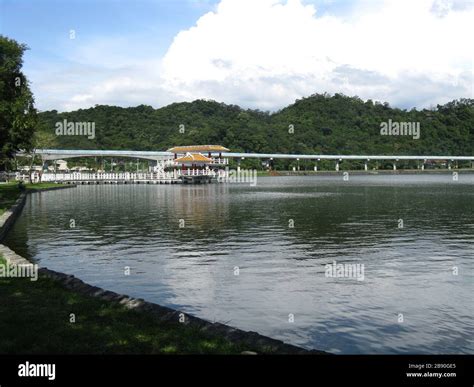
x,y
319,124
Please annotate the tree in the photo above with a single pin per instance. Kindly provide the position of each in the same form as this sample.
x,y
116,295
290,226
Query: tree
x,y
17,113
41,140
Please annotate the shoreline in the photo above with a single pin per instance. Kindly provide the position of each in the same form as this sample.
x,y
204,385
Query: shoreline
x,y
379,172
252,341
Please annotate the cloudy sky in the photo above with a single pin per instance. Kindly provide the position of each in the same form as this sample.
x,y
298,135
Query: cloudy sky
x,y
254,53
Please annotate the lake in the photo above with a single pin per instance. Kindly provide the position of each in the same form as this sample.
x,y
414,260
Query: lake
x,y
260,258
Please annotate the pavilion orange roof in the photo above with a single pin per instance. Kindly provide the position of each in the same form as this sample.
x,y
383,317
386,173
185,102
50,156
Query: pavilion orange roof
x,y
198,148
193,157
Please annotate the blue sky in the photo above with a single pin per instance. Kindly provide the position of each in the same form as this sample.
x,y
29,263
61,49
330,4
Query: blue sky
x,y
258,54
45,24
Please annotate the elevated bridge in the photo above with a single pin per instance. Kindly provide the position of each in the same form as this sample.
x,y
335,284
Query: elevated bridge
x,y
162,156
56,154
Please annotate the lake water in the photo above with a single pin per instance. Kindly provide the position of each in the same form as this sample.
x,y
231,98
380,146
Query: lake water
x,y
255,257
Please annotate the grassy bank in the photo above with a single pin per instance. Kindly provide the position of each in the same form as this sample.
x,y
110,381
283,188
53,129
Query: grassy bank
x,y
35,318
9,192
41,186
8,195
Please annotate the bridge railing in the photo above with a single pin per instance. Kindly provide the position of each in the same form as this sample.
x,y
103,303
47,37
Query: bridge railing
x,y
104,176
215,160
35,177
196,172
220,161
119,176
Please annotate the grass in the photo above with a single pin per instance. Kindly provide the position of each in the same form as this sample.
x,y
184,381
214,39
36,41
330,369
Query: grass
x,y
35,319
41,186
8,195
9,192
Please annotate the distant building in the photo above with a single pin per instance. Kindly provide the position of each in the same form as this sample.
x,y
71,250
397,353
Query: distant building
x,y
80,169
59,166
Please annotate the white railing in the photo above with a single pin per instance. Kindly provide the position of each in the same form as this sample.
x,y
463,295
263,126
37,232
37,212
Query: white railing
x,y
196,172
220,161
120,176
35,177
215,160
105,176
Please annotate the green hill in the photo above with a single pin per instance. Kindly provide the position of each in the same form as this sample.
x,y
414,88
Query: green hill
x,y
321,124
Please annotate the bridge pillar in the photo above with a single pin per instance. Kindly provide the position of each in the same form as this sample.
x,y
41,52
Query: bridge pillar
x,y
365,166
394,166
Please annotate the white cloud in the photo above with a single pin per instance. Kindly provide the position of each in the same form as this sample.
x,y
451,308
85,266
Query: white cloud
x,y
266,53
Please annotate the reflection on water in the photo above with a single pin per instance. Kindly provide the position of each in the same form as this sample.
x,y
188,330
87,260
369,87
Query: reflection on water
x,y
408,271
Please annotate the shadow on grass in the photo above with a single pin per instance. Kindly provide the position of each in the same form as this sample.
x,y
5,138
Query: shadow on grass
x,y
35,318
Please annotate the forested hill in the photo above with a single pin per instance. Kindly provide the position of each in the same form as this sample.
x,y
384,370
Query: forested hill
x,y
319,124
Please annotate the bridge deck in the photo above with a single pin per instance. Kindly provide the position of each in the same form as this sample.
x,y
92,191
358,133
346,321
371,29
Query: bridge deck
x,y
54,154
